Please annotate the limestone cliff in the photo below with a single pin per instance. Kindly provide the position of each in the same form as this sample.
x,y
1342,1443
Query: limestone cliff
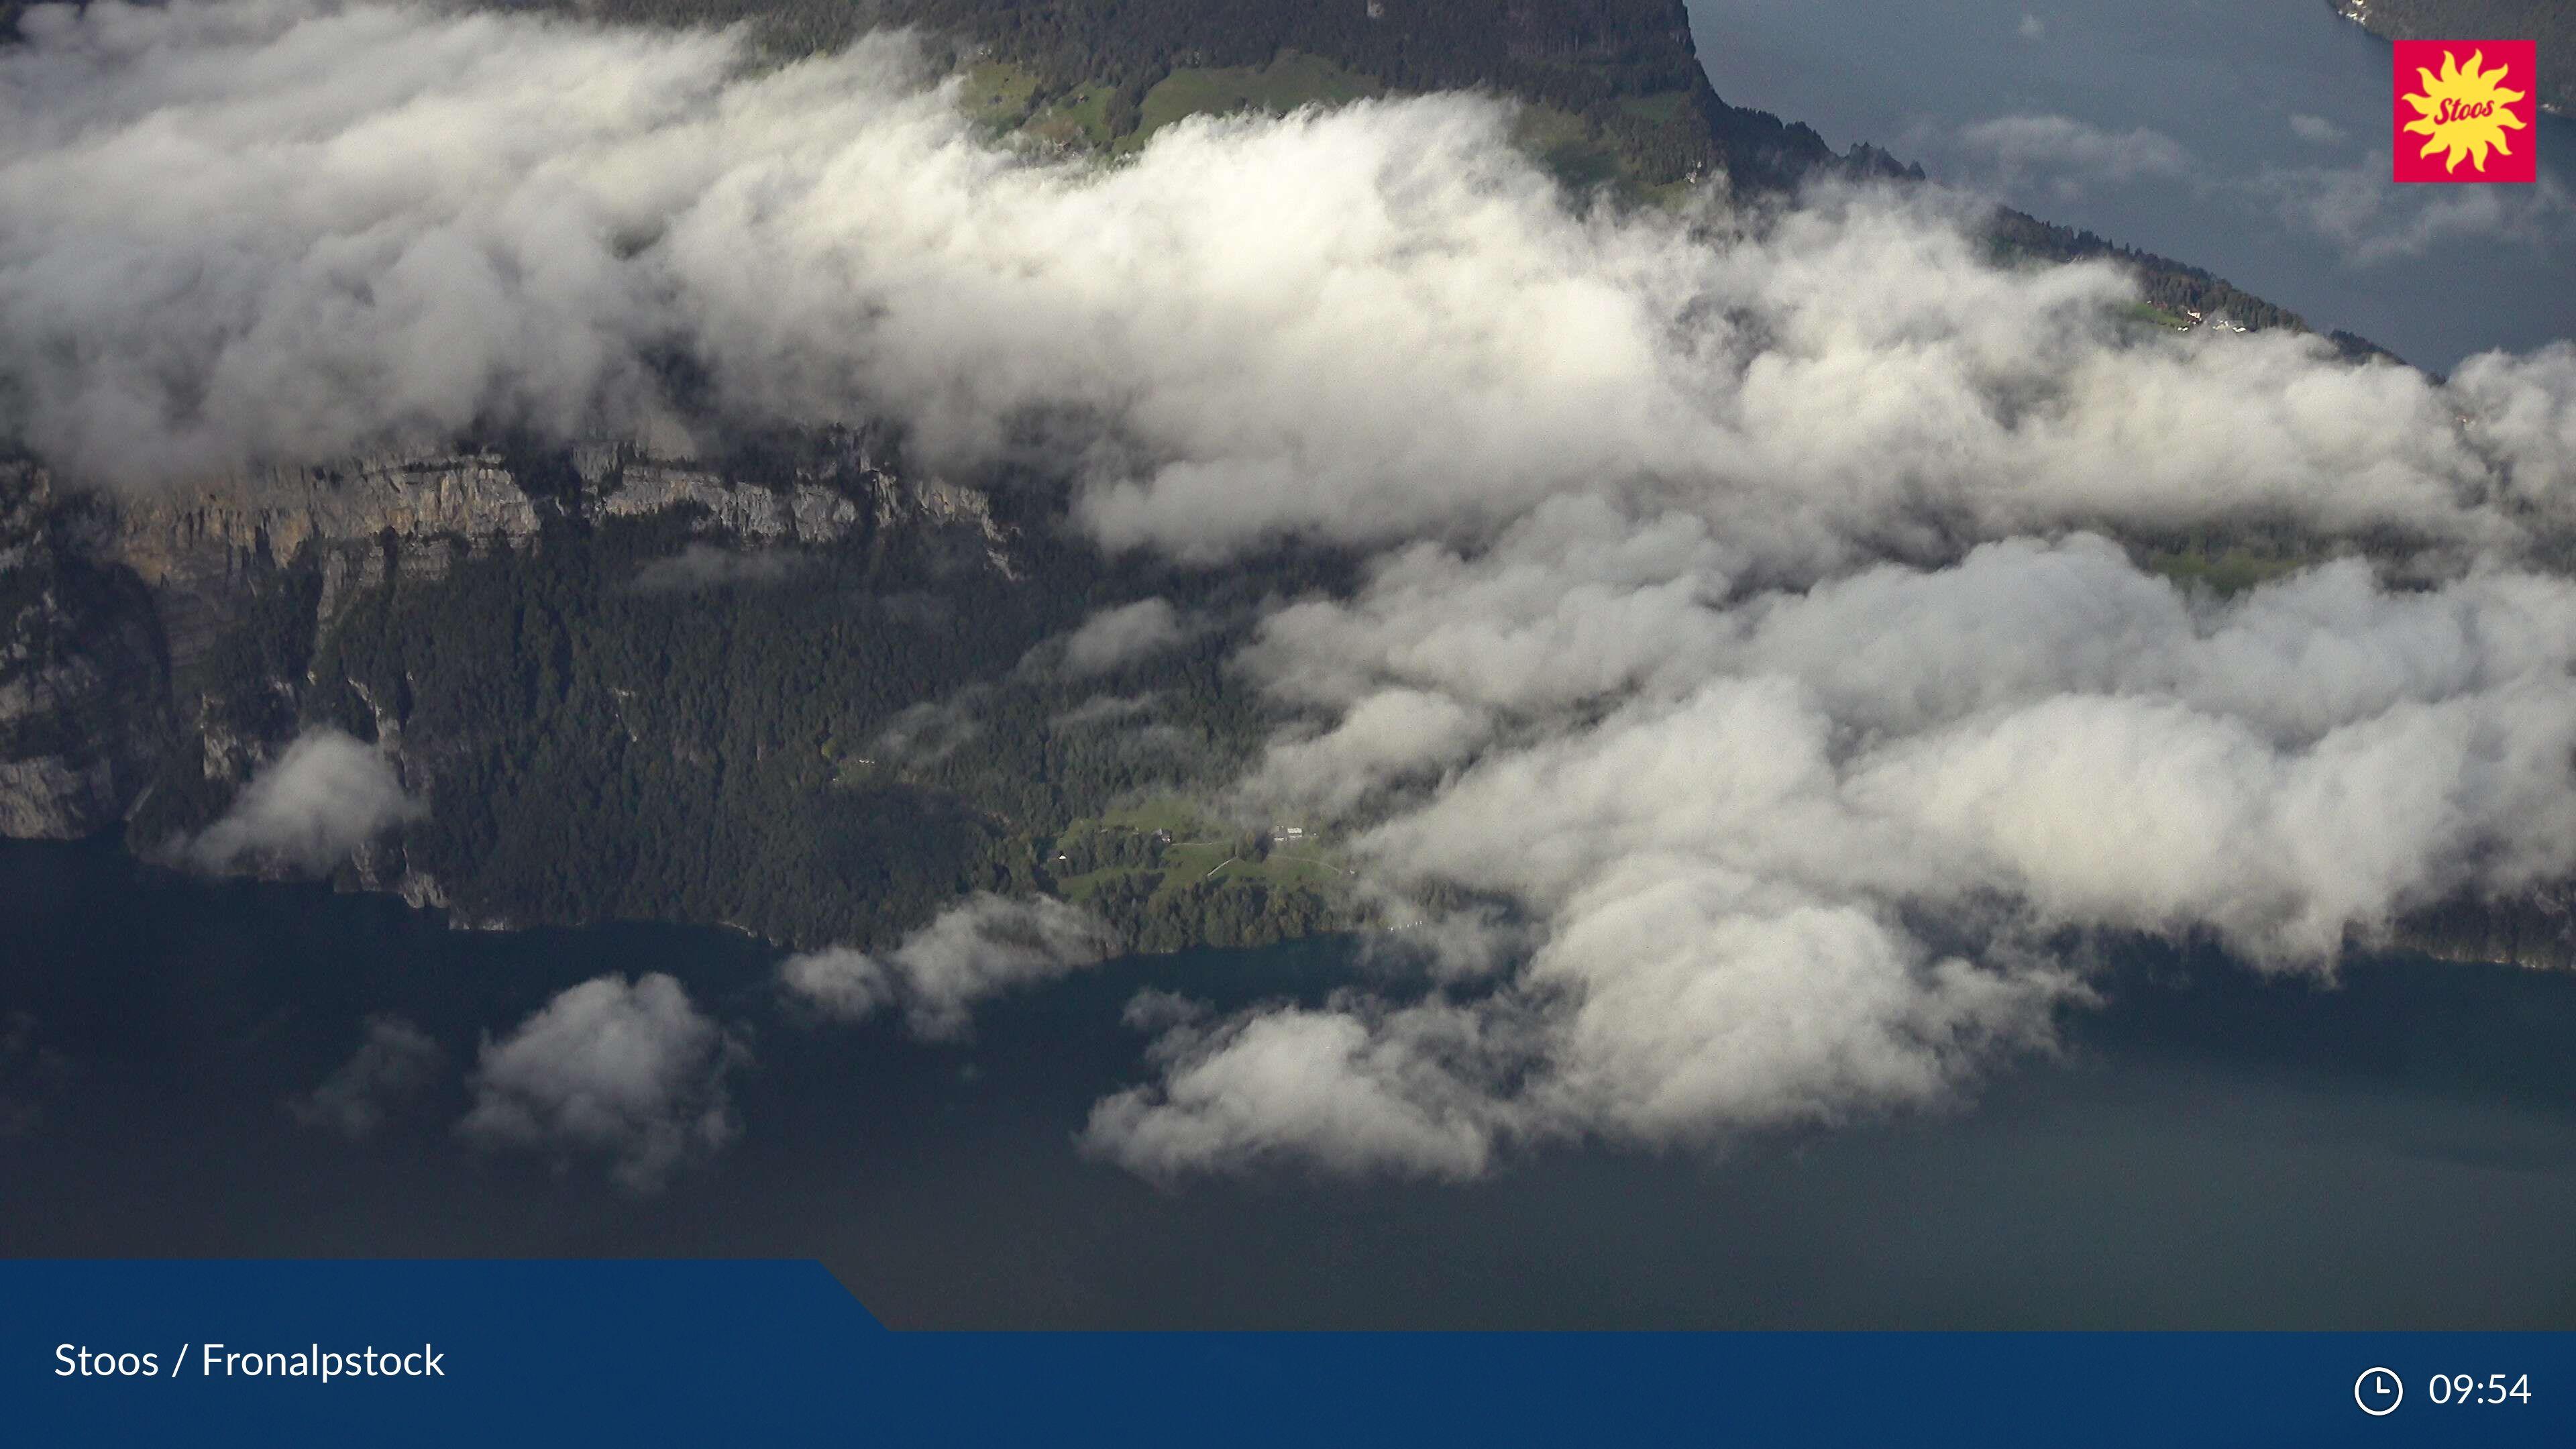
x,y
84,703
112,602
2536,931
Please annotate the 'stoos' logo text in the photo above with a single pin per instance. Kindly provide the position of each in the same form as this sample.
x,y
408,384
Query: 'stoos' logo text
x,y
2465,110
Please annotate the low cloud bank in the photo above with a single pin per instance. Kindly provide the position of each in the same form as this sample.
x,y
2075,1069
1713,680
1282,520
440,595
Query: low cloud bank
x,y
1116,637
979,948
393,1066
701,566
1800,855
2374,222
326,795
1741,632
1372,324
2019,143
628,1070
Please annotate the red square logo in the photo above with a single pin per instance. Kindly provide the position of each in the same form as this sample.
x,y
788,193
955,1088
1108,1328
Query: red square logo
x,y
2465,110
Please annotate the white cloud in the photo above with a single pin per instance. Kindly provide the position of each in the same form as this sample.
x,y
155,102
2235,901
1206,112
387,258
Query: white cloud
x,y
2372,221
1739,866
2032,27
392,1066
630,1070
2526,407
981,947
927,732
1731,634
2020,143
1104,709
1116,637
1383,739
2316,130
324,796
1349,1089
700,566
1246,330
841,982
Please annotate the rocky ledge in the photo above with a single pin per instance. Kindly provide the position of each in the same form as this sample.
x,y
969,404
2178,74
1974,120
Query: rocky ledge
x,y
107,597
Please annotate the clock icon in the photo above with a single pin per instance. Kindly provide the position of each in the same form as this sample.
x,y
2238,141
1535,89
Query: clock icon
x,y
2378,1392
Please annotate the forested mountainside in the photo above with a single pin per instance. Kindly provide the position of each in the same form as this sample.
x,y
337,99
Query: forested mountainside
x,y
816,707
882,713
2174,289
1625,73
1619,93
1626,69
2552,23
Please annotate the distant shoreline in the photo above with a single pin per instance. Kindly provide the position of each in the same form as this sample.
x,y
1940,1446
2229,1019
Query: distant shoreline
x,y
2358,12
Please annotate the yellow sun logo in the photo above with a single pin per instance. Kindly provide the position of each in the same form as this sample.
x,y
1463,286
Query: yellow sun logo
x,y
2463,111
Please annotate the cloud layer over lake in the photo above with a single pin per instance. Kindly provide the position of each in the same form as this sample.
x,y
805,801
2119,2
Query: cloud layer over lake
x,y
1740,635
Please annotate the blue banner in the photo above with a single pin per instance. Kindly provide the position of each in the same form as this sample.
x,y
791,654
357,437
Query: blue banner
x,y
757,1353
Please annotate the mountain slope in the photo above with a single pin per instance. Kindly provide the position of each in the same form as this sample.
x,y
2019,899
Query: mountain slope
x,y
1620,79
1625,67
599,746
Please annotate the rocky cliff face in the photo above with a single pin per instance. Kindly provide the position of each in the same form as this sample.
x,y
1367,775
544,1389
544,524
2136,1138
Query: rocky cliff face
x,y
84,698
2537,931
110,603
193,548
114,610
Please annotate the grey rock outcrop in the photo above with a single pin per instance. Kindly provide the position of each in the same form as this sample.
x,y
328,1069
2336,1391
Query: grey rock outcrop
x,y
84,682
2537,930
108,600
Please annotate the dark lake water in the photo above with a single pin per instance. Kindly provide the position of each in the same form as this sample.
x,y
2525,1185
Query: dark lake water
x,y
2212,1150
2277,116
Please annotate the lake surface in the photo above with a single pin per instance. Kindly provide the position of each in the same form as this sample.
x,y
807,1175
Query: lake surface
x,y
2211,1151
2266,158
